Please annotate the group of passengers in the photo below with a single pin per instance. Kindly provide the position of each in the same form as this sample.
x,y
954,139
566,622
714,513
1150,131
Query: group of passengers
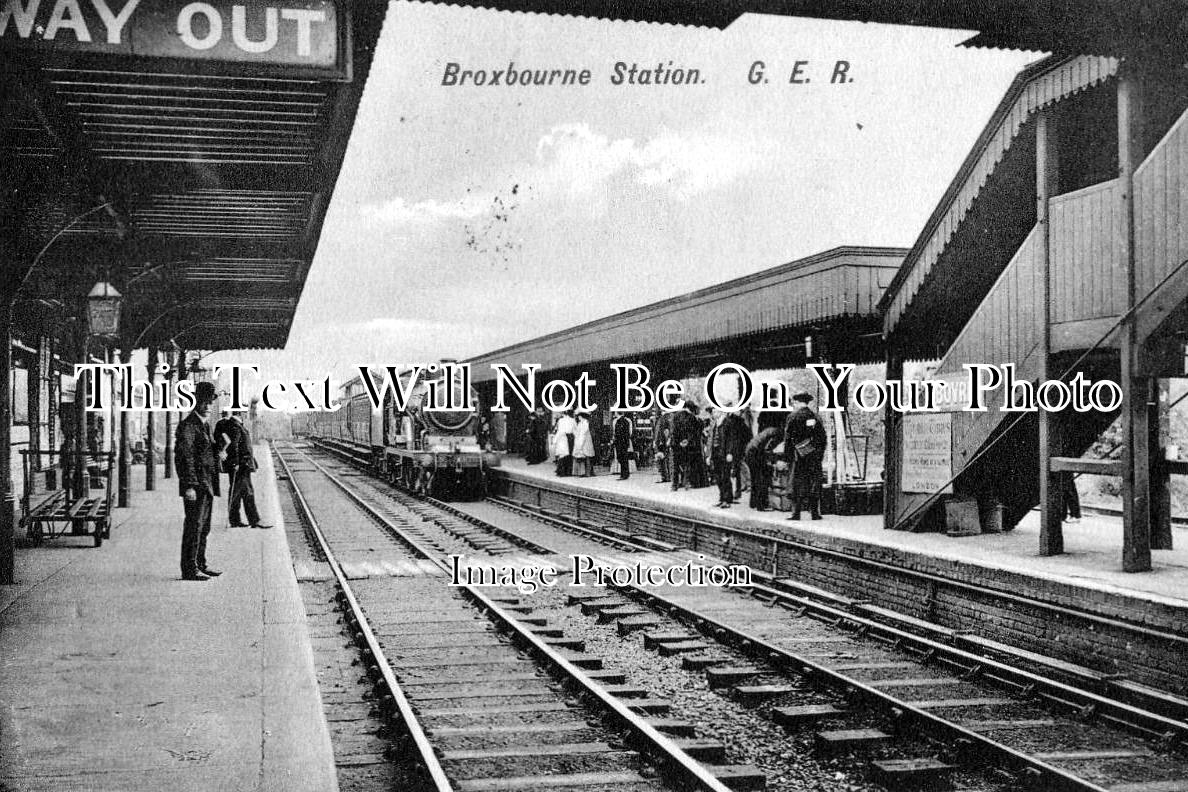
x,y
694,450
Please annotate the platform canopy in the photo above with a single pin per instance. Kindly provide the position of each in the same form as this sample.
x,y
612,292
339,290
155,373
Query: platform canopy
x,y
764,316
184,152
1099,27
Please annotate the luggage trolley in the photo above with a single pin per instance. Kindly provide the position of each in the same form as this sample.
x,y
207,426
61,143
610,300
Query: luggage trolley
x,y
49,513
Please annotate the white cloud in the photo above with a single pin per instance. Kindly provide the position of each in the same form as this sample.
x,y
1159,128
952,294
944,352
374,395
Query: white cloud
x,y
576,157
397,211
572,160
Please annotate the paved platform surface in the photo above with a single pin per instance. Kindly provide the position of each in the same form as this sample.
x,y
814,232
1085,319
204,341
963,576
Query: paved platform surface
x,y
1093,557
117,675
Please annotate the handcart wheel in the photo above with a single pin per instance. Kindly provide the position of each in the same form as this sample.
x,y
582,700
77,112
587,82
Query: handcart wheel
x,y
98,535
107,528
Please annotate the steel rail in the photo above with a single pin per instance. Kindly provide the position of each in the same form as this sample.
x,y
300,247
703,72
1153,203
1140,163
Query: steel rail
x,y
1130,717
424,749
1055,779
673,761
1134,719
1105,621
1119,713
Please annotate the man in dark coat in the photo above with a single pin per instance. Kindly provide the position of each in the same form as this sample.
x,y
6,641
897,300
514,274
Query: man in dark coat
x,y
235,444
538,437
729,441
756,456
197,482
804,448
663,443
686,444
622,441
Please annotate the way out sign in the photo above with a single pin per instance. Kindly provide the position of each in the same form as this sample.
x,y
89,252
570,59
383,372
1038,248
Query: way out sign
x,y
307,34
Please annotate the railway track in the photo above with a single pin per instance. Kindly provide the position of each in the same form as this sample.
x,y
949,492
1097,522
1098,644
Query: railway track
x,y
485,695
1044,732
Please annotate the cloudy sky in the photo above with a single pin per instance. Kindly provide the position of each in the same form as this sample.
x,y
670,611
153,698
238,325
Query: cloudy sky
x,y
469,218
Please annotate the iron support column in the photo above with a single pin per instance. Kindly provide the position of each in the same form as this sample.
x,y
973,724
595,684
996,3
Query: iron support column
x,y
125,461
7,500
150,459
1136,507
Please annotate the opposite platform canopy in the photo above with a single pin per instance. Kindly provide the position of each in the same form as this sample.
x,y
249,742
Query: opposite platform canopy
x,y
1095,27
185,152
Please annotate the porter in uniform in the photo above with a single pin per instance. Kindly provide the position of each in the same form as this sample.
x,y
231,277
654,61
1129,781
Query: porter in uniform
x,y
804,448
197,483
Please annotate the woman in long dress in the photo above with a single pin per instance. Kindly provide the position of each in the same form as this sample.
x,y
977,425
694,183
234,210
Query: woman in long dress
x,y
583,446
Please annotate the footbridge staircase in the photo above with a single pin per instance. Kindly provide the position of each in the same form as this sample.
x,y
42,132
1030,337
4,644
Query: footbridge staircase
x,y
1098,285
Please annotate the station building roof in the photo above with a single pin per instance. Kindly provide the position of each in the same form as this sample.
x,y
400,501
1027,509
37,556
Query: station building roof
x,y
838,283
1097,27
187,157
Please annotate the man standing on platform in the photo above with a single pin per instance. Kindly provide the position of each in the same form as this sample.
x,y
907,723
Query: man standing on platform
x,y
239,462
538,436
686,444
622,432
805,441
728,440
197,482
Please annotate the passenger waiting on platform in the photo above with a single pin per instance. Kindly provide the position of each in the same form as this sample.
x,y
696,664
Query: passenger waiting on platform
x,y
538,437
742,475
709,424
663,424
624,451
729,440
235,450
583,445
197,482
688,464
804,449
1072,499
758,464
563,436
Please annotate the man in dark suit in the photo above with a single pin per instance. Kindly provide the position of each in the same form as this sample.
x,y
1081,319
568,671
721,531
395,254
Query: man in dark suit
x,y
805,441
622,439
197,482
686,445
728,441
235,444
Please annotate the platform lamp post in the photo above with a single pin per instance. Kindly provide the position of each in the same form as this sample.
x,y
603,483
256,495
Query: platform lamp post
x,y
104,305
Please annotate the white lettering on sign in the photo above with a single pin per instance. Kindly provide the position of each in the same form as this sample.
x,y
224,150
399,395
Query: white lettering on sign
x,y
115,22
304,19
214,26
296,32
68,15
22,15
239,30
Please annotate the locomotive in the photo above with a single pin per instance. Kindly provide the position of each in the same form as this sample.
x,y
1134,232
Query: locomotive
x,y
436,453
